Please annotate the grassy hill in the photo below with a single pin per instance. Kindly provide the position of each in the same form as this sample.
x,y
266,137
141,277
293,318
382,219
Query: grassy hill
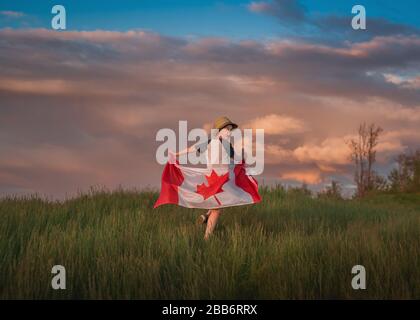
x,y
114,245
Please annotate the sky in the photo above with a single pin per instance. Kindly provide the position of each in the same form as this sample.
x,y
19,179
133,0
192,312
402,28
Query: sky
x,y
81,107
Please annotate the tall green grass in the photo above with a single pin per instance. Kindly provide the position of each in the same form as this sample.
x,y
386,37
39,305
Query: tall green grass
x,y
290,246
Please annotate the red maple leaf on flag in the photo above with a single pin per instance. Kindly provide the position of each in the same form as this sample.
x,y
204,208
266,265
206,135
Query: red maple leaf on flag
x,y
215,183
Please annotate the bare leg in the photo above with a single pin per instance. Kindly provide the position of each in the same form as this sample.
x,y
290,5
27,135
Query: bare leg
x,y
202,219
211,222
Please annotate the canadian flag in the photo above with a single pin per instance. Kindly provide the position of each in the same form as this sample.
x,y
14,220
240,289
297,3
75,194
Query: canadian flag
x,y
207,188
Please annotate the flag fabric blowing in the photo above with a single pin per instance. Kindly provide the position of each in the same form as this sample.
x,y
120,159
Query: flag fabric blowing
x,y
207,188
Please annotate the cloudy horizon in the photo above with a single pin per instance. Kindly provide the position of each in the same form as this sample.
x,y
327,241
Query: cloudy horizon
x,y
82,107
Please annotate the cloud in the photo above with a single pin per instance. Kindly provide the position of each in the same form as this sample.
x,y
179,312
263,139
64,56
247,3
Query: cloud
x,y
275,124
304,176
340,26
238,66
276,154
333,154
283,10
83,108
39,87
394,142
326,27
330,151
11,14
405,82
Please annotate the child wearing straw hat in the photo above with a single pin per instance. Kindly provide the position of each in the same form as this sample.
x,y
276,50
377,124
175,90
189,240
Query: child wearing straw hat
x,y
224,126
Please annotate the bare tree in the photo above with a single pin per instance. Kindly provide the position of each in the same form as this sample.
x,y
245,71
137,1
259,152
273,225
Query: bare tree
x,y
363,154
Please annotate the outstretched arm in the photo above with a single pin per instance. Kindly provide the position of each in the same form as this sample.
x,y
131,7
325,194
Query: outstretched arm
x,y
186,150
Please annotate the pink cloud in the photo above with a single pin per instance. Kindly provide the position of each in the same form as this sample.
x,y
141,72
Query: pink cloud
x,y
275,124
330,151
304,176
258,6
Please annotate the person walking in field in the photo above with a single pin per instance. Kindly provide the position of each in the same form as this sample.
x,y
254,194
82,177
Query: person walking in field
x,y
224,183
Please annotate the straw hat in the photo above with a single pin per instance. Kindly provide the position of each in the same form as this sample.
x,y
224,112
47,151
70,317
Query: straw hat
x,y
222,122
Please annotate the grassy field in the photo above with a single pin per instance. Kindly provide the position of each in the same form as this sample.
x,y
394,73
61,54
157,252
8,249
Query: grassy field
x,y
290,246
